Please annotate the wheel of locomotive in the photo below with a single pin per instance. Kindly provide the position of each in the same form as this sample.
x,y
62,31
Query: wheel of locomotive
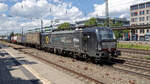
x,y
51,50
88,59
84,57
63,53
59,52
55,51
74,56
96,60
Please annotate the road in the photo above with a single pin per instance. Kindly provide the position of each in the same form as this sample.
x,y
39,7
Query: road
x,y
19,68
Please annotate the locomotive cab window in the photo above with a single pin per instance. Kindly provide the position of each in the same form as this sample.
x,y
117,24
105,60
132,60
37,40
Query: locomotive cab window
x,y
106,35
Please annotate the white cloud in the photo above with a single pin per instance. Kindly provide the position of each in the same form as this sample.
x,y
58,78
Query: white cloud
x,y
59,1
117,8
22,13
9,24
30,8
36,9
3,7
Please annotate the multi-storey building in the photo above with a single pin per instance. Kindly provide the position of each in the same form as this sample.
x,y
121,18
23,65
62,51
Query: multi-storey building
x,y
140,15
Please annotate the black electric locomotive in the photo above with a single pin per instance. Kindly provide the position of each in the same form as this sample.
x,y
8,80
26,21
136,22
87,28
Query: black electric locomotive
x,y
97,43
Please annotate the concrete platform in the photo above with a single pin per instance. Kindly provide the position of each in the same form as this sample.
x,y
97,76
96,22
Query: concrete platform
x,y
19,68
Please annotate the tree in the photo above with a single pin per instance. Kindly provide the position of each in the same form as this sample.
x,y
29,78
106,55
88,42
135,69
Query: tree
x,y
65,25
91,22
119,33
12,34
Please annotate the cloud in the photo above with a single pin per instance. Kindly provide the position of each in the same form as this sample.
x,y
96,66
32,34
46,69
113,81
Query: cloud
x,y
59,1
23,11
9,0
3,7
9,24
117,8
30,8
41,8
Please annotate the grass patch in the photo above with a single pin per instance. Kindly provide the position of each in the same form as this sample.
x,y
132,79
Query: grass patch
x,y
148,57
133,46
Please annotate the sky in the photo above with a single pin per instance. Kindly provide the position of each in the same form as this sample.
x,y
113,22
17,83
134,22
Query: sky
x,y
18,14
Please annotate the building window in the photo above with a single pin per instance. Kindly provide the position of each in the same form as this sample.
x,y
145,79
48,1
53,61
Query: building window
x,y
143,18
143,23
141,31
148,11
141,6
148,4
142,12
140,18
136,19
147,30
132,20
136,31
134,13
134,7
148,18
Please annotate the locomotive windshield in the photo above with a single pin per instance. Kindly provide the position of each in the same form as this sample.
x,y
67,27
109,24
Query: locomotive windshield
x,y
106,35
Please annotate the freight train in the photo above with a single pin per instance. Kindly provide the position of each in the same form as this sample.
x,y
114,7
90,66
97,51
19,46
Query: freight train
x,y
96,43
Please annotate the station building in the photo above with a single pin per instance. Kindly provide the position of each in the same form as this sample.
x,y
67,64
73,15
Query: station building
x,y
140,15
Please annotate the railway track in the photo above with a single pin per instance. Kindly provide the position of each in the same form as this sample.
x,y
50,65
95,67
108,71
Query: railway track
x,y
131,65
135,51
80,76
136,66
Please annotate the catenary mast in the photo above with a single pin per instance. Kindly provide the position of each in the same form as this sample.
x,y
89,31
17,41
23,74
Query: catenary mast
x,y
107,13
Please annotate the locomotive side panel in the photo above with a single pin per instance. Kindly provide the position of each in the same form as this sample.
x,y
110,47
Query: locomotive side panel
x,y
45,40
89,43
66,41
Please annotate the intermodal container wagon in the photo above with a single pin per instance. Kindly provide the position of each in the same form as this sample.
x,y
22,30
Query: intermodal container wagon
x,y
33,38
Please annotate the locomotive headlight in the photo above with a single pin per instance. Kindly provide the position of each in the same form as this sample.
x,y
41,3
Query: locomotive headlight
x,y
99,48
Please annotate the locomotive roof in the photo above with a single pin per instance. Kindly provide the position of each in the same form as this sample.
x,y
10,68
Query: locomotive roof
x,y
103,28
89,29
66,31
92,29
